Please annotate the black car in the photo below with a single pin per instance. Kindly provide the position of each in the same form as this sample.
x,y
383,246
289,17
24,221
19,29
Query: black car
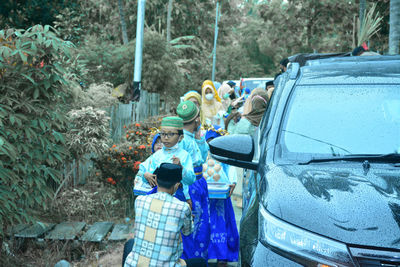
x,y
323,180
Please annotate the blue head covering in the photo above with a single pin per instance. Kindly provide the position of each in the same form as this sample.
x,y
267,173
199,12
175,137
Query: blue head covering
x,y
154,142
217,85
231,83
211,133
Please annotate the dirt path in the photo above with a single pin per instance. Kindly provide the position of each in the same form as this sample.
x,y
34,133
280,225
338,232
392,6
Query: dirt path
x,y
111,257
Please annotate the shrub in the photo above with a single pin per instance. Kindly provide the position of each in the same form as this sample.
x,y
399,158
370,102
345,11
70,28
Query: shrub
x,y
120,163
88,134
34,96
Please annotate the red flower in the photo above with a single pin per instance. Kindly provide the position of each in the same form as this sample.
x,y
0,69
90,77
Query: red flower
x,y
137,132
114,146
137,124
113,182
136,165
123,159
130,148
124,126
110,180
142,147
136,152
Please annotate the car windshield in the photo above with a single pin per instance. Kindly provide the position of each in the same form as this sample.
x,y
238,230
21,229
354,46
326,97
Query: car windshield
x,y
337,120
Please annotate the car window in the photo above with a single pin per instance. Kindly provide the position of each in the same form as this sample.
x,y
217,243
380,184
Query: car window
x,y
341,119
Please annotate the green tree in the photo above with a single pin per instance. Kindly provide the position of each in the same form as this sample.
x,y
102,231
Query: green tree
x,y
290,27
22,14
123,23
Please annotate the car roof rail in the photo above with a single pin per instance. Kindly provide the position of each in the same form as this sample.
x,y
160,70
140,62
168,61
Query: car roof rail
x,y
294,70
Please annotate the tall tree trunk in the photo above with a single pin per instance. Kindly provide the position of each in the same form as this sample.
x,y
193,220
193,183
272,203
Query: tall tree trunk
x,y
123,24
169,20
394,32
363,7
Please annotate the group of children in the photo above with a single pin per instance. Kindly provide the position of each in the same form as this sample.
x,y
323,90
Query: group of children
x,y
189,228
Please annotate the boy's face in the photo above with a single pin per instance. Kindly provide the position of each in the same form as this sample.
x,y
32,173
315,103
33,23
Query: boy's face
x,y
169,137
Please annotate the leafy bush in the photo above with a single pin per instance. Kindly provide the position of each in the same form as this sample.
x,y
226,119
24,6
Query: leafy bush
x,y
34,98
103,60
120,163
89,133
97,96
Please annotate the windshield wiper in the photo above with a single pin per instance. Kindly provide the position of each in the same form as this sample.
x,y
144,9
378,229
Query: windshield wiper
x,y
389,158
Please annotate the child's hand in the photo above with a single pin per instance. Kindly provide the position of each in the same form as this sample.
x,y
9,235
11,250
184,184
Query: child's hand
x,y
176,160
189,201
151,178
232,188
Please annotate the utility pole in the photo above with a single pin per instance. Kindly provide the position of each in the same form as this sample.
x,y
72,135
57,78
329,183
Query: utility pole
x,y
137,79
215,42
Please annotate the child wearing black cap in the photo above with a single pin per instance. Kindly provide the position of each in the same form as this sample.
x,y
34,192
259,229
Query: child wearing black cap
x,y
159,221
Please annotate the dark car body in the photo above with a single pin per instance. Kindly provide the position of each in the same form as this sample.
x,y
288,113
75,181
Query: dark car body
x,y
305,209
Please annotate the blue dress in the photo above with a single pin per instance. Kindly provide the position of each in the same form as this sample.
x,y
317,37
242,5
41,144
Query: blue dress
x,y
196,244
224,245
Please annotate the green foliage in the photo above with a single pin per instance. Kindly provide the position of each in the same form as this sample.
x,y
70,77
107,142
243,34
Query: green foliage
x,y
369,26
97,96
159,72
233,62
26,13
87,18
291,27
33,100
89,132
102,60
70,24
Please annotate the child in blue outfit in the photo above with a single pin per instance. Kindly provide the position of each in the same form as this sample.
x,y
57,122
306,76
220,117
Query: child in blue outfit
x,y
224,245
196,244
141,185
171,134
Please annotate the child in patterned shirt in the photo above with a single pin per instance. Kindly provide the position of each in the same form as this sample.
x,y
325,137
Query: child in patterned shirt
x,y
159,221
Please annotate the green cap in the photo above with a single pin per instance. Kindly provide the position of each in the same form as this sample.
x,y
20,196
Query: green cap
x,y
188,111
172,122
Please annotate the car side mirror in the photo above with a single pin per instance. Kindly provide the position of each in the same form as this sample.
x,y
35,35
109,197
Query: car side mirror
x,y
235,150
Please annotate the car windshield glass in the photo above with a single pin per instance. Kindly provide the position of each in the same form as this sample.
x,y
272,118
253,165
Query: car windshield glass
x,y
338,120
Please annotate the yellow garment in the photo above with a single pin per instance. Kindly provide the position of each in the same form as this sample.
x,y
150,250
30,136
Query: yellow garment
x,y
210,108
197,96
193,94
